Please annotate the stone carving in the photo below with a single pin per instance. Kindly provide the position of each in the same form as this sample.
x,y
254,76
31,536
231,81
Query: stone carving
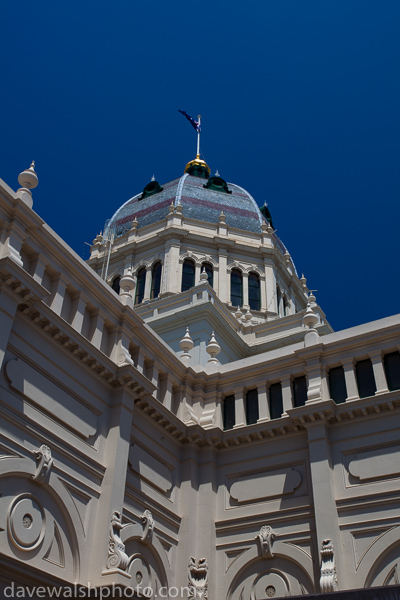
x,y
266,539
148,526
117,558
328,580
43,455
198,579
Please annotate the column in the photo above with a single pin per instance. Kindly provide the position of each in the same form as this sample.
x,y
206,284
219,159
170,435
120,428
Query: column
x,y
323,489
240,415
197,271
263,294
286,393
98,327
60,287
171,282
38,268
8,308
147,284
350,377
78,312
115,452
245,281
270,286
223,276
379,372
314,379
263,406
168,393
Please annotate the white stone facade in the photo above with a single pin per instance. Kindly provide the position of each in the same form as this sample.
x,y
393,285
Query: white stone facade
x,y
115,465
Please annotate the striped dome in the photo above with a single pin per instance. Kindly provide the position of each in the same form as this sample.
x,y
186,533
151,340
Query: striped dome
x,y
198,202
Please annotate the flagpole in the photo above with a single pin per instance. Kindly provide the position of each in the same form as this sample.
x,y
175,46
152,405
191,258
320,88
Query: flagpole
x,y
198,137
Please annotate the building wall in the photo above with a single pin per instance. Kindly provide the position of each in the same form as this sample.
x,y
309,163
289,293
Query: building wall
x,y
115,467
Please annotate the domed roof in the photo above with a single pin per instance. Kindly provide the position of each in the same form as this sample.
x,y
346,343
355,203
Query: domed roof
x,y
201,199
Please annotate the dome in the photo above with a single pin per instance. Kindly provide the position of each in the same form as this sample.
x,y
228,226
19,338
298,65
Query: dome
x,y
202,199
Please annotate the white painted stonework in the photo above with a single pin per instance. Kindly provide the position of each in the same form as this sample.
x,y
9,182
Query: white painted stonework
x,y
115,467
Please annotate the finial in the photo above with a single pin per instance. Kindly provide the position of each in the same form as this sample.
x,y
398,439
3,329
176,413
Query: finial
x,y
153,178
217,173
248,316
238,313
213,348
203,275
171,207
186,344
222,217
28,178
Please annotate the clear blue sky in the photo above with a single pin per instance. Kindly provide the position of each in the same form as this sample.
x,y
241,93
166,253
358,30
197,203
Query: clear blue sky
x,y
300,104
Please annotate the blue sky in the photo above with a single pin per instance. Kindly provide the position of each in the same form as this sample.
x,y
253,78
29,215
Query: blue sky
x,y
300,105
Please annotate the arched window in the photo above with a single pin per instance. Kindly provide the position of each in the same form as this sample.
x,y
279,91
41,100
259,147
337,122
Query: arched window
x,y
278,301
187,274
236,288
116,284
209,270
254,291
141,280
155,280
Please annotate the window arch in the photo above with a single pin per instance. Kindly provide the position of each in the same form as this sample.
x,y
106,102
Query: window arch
x,y
116,284
209,270
141,280
187,274
236,288
254,291
156,280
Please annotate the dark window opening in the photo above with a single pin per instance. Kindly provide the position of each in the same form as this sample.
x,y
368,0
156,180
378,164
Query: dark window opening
x,y
254,291
187,275
299,391
391,362
337,385
365,378
209,270
252,407
116,284
156,280
275,401
236,288
229,412
141,280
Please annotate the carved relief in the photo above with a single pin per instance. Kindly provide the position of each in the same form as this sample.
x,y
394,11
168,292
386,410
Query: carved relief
x,y
266,539
198,579
148,526
43,455
26,522
328,580
117,558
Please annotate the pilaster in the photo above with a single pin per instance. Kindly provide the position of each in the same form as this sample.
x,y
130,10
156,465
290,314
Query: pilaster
x,y
240,415
350,378
263,406
379,372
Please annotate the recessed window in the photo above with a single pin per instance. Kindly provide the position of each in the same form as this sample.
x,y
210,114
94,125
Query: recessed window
x,y
155,280
228,409
209,270
365,378
141,280
275,401
337,385
116,284
391,363
236,288
252,406
254,291
187,274
299,391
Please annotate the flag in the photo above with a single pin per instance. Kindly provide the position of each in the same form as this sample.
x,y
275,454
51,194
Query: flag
x,y
195,124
